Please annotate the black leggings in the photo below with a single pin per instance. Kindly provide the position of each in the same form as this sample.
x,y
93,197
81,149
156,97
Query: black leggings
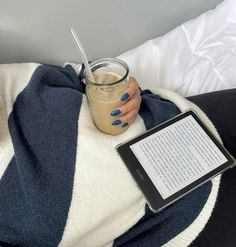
x,y
220,107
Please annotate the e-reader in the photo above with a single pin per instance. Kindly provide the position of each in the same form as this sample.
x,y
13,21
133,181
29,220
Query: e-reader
x,y
173,158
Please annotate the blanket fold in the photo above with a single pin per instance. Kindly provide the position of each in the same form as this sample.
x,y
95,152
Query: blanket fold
x,y
62,184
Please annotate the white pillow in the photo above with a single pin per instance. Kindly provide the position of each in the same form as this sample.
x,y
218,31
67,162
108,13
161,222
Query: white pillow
x,y
198,56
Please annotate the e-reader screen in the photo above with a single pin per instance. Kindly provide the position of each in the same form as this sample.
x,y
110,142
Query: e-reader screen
x,y
174,158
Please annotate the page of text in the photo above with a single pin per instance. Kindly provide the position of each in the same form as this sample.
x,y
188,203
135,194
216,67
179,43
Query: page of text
x,y
177,155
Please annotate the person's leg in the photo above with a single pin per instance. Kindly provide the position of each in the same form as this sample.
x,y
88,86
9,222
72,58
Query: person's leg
x,y
220,107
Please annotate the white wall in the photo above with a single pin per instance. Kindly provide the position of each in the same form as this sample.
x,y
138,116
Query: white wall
x,y
38,30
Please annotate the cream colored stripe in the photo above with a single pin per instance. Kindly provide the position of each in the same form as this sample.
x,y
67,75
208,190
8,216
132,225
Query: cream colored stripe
x,y
105,201
13,79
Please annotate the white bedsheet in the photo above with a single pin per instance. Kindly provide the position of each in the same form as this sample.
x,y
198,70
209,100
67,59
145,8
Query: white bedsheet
x,y
198,56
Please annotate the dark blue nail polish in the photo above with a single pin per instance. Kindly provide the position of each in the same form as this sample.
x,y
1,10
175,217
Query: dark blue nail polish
x,y
116,122
124,96
124,125
115,112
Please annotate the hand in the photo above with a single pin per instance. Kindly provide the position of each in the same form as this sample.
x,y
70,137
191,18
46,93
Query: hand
x,y
127,113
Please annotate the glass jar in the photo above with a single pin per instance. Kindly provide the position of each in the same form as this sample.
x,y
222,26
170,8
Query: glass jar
x,y
111,81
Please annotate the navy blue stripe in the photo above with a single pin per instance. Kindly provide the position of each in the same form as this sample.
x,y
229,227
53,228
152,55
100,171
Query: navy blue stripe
x,y
155,110
36,189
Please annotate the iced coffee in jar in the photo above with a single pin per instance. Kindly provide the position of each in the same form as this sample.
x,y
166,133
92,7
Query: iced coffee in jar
x,y
103,94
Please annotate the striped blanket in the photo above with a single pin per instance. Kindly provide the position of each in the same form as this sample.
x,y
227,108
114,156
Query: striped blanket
x,y
61,181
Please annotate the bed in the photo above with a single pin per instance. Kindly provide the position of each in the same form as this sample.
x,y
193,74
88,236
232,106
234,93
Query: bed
x,y
194,58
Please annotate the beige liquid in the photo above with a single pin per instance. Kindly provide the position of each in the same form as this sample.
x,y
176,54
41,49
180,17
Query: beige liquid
x,y
104,99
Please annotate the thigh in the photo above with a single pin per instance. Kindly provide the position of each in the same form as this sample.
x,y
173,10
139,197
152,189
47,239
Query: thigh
x,y
220,107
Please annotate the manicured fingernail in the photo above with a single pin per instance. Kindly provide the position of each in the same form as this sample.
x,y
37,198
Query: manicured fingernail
x,y
124,125
116,112
124,96
116,122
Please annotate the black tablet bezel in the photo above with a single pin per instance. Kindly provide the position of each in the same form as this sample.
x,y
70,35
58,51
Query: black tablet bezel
x,y
153,197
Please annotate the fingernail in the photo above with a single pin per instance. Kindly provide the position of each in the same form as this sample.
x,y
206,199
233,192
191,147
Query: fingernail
x,y
116,112
124,125
116,122
124,96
